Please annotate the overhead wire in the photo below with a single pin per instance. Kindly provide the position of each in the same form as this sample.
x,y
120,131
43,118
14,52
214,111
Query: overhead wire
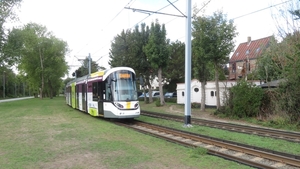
x,y
139,23
271,6
108,23
170,3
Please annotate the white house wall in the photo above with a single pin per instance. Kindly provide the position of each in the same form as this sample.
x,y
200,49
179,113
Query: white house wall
x,y
210,91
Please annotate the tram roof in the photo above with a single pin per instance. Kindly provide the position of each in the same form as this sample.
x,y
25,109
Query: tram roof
x,y
103,73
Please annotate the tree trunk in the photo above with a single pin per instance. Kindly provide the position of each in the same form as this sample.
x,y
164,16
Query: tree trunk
x,y
161,95
217,86
203,97
150,94
146,84
42,67
50,90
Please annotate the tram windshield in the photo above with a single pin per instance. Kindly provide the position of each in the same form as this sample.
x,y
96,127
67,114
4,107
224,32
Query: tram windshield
x,y
124,86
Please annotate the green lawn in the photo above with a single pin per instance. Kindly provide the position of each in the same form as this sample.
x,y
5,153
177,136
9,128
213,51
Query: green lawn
x,y
47,133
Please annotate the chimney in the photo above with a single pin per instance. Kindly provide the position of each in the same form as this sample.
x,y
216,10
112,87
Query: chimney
x,y
249,39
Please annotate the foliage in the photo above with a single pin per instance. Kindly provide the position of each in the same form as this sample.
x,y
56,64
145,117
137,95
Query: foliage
x,y
281,62
127,50
40,55
7,13
195,105
270,63
84,69
156,49
245,100
213,42
171,100
157,103
157,52
174,72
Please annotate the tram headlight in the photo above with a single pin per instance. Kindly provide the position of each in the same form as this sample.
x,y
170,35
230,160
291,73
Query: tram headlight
x,y
136,105
120,106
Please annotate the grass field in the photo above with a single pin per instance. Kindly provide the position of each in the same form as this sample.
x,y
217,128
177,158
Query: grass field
x,y
47,133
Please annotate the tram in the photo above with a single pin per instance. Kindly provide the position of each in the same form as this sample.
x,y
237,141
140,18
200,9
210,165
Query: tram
x,y
110,93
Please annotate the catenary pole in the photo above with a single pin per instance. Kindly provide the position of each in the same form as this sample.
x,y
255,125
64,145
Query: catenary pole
x,y
90,64
187,94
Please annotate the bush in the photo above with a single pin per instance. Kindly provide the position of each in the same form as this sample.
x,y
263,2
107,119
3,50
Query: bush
x,y
171,100
195,105
245,100
157,102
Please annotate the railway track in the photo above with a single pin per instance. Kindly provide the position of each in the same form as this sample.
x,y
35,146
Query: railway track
x,y
245,154
278,134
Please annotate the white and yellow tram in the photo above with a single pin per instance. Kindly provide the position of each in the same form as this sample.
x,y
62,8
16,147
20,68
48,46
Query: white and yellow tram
x,y
110,93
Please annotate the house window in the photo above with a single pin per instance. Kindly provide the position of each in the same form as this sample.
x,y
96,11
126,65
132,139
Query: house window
x,y
182,93
196,89
248,66
211,93
233,67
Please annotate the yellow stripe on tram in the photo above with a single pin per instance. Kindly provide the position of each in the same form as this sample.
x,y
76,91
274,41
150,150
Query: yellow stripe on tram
x,y
128,105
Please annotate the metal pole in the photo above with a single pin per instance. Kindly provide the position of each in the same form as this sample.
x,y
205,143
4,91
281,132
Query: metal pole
x,y
90,64
187,108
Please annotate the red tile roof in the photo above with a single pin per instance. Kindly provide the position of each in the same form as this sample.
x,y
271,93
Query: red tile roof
x,y
252,49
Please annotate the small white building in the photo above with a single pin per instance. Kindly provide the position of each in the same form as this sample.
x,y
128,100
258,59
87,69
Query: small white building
x,y
210,91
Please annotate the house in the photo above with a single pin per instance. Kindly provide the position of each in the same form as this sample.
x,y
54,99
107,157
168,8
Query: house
x,y
243,60
210,91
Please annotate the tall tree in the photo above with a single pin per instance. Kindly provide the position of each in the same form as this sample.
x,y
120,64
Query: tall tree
x,y
218,35
127,50
119,52
174,72
157,52
199,50
41,56
7,13
84,69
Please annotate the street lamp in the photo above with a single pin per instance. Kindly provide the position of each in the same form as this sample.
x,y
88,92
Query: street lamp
x,y
3,84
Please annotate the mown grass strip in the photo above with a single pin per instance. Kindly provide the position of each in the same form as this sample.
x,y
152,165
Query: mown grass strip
x,y
47,133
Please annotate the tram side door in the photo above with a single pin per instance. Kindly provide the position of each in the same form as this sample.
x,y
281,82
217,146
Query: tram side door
x,y
101,92
83,97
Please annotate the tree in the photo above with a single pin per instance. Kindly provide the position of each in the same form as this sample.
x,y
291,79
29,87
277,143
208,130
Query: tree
x,y
200,52
7,13
84,69
157,52
218,34
119,52
174,72
127,50
41,56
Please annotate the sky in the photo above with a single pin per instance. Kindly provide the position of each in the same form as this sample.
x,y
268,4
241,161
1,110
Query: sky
x,y
89,26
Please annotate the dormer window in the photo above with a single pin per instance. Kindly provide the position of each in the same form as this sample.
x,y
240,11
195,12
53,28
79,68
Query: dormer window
x,y
237,53
257,50
247,52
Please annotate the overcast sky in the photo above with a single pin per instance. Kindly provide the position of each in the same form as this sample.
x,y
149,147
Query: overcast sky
x,y
89,26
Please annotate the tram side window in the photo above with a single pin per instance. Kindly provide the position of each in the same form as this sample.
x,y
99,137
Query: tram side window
x,y
95,91
108,94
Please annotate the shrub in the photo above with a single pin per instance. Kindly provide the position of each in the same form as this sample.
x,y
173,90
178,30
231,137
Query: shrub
x,y
157,102
195,105
245,100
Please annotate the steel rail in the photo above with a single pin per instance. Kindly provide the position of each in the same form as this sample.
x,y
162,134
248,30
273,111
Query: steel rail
x,y
218,143
278,134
